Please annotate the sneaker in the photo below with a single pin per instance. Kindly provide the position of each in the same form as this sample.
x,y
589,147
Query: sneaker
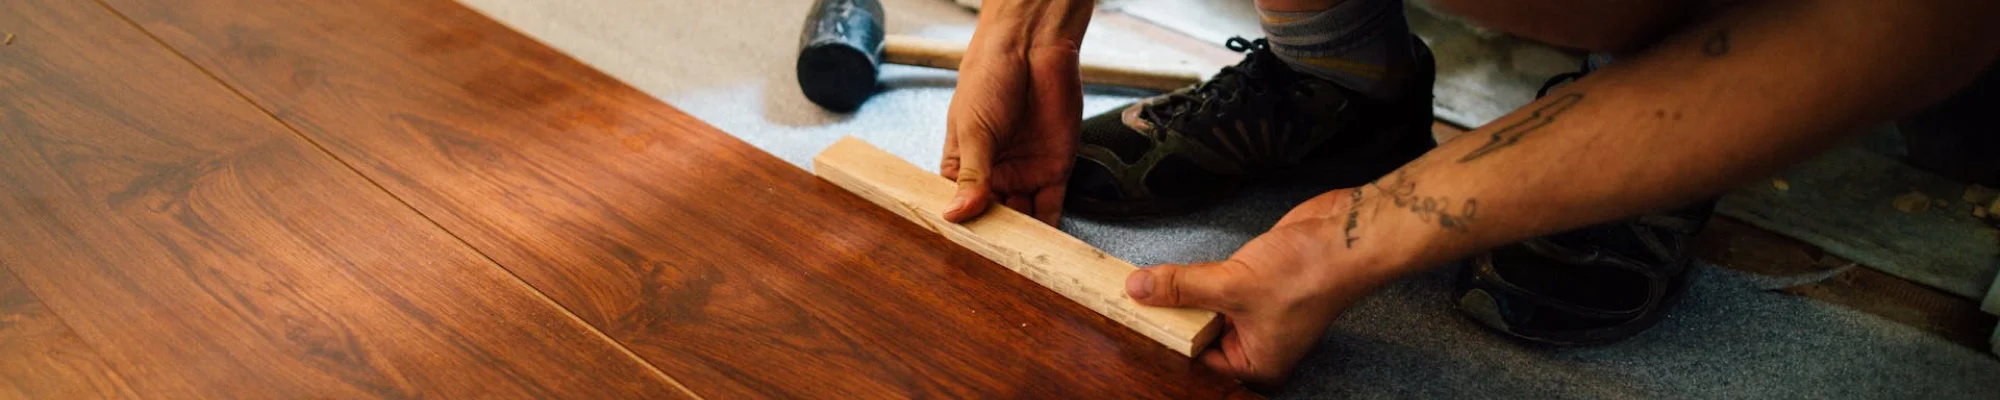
x,y
1259,119
1595,285
1589,286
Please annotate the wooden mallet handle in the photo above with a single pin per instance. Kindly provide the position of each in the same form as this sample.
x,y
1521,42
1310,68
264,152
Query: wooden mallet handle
x,y
906,50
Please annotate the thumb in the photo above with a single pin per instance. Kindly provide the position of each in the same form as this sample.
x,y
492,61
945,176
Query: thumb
x,y
975,160
1205,286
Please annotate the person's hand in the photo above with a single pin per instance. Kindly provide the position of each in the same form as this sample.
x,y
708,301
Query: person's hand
x,y
1013,126
1277,294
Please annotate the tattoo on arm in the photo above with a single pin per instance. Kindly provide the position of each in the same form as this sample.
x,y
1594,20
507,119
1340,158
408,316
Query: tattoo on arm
x,y
1353,215
1717,44
1402,194
1512,133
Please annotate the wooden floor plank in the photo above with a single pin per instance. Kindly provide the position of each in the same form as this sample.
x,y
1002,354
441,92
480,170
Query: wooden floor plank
x,y
207,252
734,272
41,358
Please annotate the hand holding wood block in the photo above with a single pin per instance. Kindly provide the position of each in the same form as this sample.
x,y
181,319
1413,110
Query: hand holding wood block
x,y
1035,250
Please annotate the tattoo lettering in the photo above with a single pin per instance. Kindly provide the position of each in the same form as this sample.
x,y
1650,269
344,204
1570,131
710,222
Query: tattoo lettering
x,y
1402,194
1512,133
1353,215
1717,44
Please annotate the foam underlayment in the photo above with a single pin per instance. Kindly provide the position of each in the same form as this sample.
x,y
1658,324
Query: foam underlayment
x,y
730,63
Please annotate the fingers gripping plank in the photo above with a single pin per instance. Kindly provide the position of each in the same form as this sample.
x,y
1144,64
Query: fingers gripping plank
x,y
1035,250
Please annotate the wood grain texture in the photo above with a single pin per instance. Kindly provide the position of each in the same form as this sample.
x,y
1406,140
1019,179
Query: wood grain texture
x,y
207,252
41,358
733,272
1045,255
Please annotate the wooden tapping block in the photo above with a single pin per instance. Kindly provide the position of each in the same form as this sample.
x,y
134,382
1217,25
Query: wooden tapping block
x,y
1037,251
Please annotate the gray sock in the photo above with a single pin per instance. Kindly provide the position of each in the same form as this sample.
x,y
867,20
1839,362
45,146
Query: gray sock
x,y
1363,45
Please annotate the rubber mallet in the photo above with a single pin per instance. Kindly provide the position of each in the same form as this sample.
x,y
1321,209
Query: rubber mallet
x,y
843,47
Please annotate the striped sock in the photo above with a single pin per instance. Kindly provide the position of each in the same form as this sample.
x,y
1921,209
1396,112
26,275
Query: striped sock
x,y
1363,45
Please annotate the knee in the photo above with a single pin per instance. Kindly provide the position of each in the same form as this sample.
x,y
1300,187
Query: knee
x,y
1594,25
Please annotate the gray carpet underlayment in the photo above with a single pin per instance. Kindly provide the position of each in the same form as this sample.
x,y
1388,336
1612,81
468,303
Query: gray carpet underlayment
x,y
730,63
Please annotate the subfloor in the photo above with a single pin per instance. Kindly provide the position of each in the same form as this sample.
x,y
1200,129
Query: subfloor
x,y
1733,335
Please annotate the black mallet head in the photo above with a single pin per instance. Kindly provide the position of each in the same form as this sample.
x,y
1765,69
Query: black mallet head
x,y
840,53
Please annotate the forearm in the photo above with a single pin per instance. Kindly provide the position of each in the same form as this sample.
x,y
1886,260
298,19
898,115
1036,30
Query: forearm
x,y
1013,26
1739,96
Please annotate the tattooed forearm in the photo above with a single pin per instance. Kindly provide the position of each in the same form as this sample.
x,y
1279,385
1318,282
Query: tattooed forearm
x,y
1510,134
1402,194
1353,215
1717,44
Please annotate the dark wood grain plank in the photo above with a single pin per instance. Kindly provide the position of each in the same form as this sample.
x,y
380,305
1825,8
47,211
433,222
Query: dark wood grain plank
x,y
208,252
734,272
41,358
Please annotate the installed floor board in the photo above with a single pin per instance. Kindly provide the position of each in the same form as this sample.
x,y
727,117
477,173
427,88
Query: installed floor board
x,y
41,358
204,251
730,270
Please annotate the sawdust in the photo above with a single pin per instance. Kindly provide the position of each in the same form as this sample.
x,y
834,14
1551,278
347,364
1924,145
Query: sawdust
x,y
1913,202
9,41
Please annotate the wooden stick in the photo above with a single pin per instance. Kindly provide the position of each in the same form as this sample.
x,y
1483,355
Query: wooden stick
x,y
1035,250
934,53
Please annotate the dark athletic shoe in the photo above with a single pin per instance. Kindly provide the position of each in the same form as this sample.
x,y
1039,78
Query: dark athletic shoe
x,y
1259,119
1594,285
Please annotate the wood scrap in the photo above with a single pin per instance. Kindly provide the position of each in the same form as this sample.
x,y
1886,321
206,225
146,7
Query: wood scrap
x,y
1979,195
1035,250
1913,202
1843,201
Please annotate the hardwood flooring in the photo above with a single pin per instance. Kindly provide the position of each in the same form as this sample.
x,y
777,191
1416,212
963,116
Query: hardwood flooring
x,y
403,198
205,251
44,359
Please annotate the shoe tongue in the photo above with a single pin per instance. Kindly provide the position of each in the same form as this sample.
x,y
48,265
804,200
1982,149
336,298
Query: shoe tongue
x,y
1260,68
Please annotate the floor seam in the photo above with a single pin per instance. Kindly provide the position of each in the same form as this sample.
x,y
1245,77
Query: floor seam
x,y
566,311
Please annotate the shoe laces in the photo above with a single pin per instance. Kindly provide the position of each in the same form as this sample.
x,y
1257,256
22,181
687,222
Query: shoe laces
x,y
1259,71
1565,78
